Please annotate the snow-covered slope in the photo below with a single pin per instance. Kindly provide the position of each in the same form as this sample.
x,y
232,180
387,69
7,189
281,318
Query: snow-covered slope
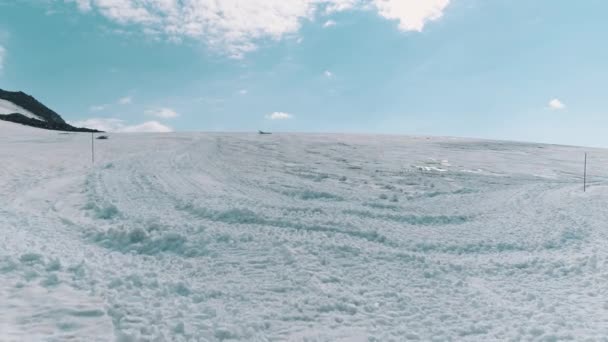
x,y
299,237
7,107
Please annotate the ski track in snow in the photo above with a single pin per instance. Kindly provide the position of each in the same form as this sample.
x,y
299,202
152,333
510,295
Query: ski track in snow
x,y
218,237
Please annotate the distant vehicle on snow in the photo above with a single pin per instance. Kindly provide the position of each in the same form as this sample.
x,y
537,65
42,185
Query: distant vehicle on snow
x,y
103,137
262,132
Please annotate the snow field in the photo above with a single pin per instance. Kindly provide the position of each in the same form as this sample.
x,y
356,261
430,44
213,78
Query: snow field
x,y
219,237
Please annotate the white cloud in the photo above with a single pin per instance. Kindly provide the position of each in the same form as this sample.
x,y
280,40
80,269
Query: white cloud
x,y
118,125
235,26
147,127
411,14
163,113
125,100
97,108
279,116
2,57
328,74
329,23
556,104
83,5
341,5
106,125
243,91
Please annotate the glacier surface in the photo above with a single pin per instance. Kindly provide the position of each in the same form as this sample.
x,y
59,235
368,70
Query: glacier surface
x,y
299,237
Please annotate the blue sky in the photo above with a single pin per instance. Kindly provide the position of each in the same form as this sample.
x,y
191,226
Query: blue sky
x,y
524,70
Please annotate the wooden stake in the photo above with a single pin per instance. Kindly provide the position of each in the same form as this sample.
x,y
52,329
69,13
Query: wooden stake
x,y
585,175
92,148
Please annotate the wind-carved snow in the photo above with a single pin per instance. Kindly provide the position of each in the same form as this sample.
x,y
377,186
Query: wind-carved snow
x,y
218,237
7,107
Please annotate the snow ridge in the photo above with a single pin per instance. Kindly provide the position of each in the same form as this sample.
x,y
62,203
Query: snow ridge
x,y
7,107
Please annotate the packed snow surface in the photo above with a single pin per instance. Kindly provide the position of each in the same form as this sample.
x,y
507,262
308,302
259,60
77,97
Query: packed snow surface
x,y
7,107
296,237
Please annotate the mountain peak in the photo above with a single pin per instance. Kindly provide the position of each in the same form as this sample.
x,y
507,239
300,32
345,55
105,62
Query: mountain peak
x,y
20,107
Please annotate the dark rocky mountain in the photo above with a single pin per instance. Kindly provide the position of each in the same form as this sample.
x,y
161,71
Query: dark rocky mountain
x,y
49,118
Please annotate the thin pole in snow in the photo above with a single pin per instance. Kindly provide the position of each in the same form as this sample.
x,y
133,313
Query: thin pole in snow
x,y
92,148
585,175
